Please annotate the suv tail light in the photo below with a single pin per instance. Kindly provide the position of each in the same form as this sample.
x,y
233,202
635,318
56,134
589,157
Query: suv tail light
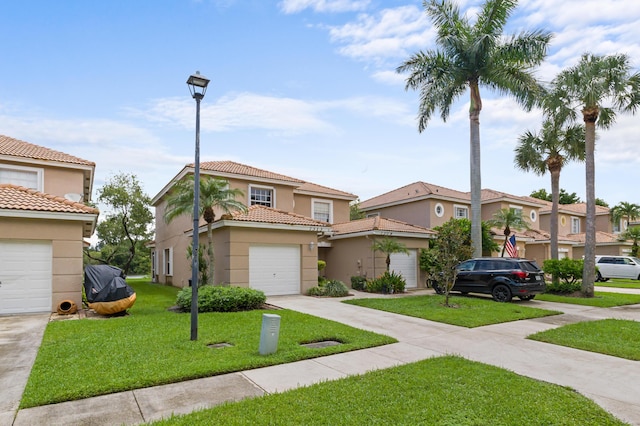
x,y
520,274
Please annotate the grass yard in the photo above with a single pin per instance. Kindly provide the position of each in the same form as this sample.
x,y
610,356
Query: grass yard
x,y
619,282
614,337
600,300
468,311
152,346
438,391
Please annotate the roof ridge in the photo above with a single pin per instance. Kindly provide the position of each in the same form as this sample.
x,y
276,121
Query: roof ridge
x,y
51,197
19,148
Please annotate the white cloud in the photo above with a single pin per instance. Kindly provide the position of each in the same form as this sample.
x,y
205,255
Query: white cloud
x,y
331,6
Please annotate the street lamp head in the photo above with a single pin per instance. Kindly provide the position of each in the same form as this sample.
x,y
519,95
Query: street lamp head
x,y
197,85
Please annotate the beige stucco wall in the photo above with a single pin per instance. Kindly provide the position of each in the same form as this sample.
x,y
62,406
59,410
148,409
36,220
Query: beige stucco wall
x,y
58,181
489,209
603,223
66,241
303,207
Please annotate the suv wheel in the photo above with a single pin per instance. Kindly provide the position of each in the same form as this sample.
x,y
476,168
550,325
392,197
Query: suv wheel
x,y
501,293
437,288
599,277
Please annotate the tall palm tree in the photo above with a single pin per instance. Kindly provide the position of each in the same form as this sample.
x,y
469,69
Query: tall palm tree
x,y
589,86
214,194
626,210
507,219
549,150
388,246
469,56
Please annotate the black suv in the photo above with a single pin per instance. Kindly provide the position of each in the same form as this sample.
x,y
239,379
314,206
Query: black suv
x,y
502,277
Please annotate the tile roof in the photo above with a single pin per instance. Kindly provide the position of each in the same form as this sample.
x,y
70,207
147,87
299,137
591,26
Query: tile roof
x,y
312,187
416,190
601,237
577,208
17,148
14,197
492,194
232,167
378,224
263,214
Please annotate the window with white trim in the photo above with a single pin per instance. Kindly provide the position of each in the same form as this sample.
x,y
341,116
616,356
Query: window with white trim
x,y
461,212
533,215
439,209
322,210
23,176
575,225
261,196
167,261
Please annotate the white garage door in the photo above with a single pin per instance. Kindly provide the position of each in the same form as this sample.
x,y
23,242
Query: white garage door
x,y
407,266
25,277
275,269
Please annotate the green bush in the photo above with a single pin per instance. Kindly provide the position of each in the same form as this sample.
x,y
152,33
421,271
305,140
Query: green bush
x,y
387,283
564,287
222,299
358,282
567,270
331,288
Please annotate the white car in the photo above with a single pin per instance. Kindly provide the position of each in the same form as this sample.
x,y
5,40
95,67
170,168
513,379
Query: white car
x,y
617,267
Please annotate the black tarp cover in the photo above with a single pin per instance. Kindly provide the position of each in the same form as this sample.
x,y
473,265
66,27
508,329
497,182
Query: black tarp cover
x,y
105,283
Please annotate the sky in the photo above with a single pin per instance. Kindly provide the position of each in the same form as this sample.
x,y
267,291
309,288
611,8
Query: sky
x,y
305,88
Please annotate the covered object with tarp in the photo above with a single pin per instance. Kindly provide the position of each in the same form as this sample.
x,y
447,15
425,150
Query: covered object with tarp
x,y
106,289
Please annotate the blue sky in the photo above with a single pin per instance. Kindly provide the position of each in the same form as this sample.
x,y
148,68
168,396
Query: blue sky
x,y
305,88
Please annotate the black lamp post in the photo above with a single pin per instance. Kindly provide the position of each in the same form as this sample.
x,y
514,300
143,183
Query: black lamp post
x,y
197,86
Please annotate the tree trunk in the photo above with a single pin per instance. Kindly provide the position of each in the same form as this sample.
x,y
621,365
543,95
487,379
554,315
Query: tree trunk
x,y
555,200
589,271
210,253
475,169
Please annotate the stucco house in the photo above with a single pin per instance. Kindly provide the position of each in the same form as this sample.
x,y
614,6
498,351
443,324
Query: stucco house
x,y
43,223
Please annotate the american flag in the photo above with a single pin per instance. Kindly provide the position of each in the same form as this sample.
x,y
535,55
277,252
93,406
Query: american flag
x,y
511,247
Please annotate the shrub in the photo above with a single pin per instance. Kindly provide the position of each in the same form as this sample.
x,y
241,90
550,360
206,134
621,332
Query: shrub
x,y
358,282
331,288
222,299
387,283
567,270
564,287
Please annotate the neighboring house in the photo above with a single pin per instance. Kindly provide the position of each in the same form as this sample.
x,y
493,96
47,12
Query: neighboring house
x,y
348,250
273,247
43,223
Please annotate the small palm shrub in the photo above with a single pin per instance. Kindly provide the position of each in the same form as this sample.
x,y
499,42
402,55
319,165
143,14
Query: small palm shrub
x,y
331,288
358,282
387,283
222,299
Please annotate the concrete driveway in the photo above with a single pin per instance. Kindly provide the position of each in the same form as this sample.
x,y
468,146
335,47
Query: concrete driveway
x,y
20,338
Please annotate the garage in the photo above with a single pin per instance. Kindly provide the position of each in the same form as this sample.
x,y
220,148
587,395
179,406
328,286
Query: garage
x,y
407,266
25,276
275,269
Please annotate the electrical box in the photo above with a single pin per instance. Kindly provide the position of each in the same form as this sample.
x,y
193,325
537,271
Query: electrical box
x,y
269,334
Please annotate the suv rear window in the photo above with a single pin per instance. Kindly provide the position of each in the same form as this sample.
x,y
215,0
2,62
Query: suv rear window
x,y
529,266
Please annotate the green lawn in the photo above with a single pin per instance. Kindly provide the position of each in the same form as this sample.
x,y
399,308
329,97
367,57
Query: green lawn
x,y
152,346
600,300
621,283
438,391
467,311
609,336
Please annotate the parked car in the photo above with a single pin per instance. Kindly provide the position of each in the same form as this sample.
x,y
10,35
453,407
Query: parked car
x,y
501,277
617,267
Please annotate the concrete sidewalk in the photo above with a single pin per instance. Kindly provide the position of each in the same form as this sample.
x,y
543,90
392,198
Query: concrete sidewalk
x,y
611,382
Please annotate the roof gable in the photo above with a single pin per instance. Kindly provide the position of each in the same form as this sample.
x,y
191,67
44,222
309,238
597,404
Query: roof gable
x,y
414,192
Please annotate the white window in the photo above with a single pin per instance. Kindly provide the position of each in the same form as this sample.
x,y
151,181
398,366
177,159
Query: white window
x,y
533,215
261,196
575,225
616,227
322,210
22,176
461,212
439,210
167,261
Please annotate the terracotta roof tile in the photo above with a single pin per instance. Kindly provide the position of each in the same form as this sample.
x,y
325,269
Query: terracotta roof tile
x,y
412,191
313,187
577,208
263,214
14,197
378,224
17,148
492,194
242,169
601,237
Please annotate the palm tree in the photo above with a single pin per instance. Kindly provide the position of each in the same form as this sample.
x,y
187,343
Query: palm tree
x,y
388,246
587,87
214,194
625,210
507,219
633,233
470,56
549,150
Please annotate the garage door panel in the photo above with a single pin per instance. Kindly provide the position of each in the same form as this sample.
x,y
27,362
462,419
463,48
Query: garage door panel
x,y
275,269
25,277
407,266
